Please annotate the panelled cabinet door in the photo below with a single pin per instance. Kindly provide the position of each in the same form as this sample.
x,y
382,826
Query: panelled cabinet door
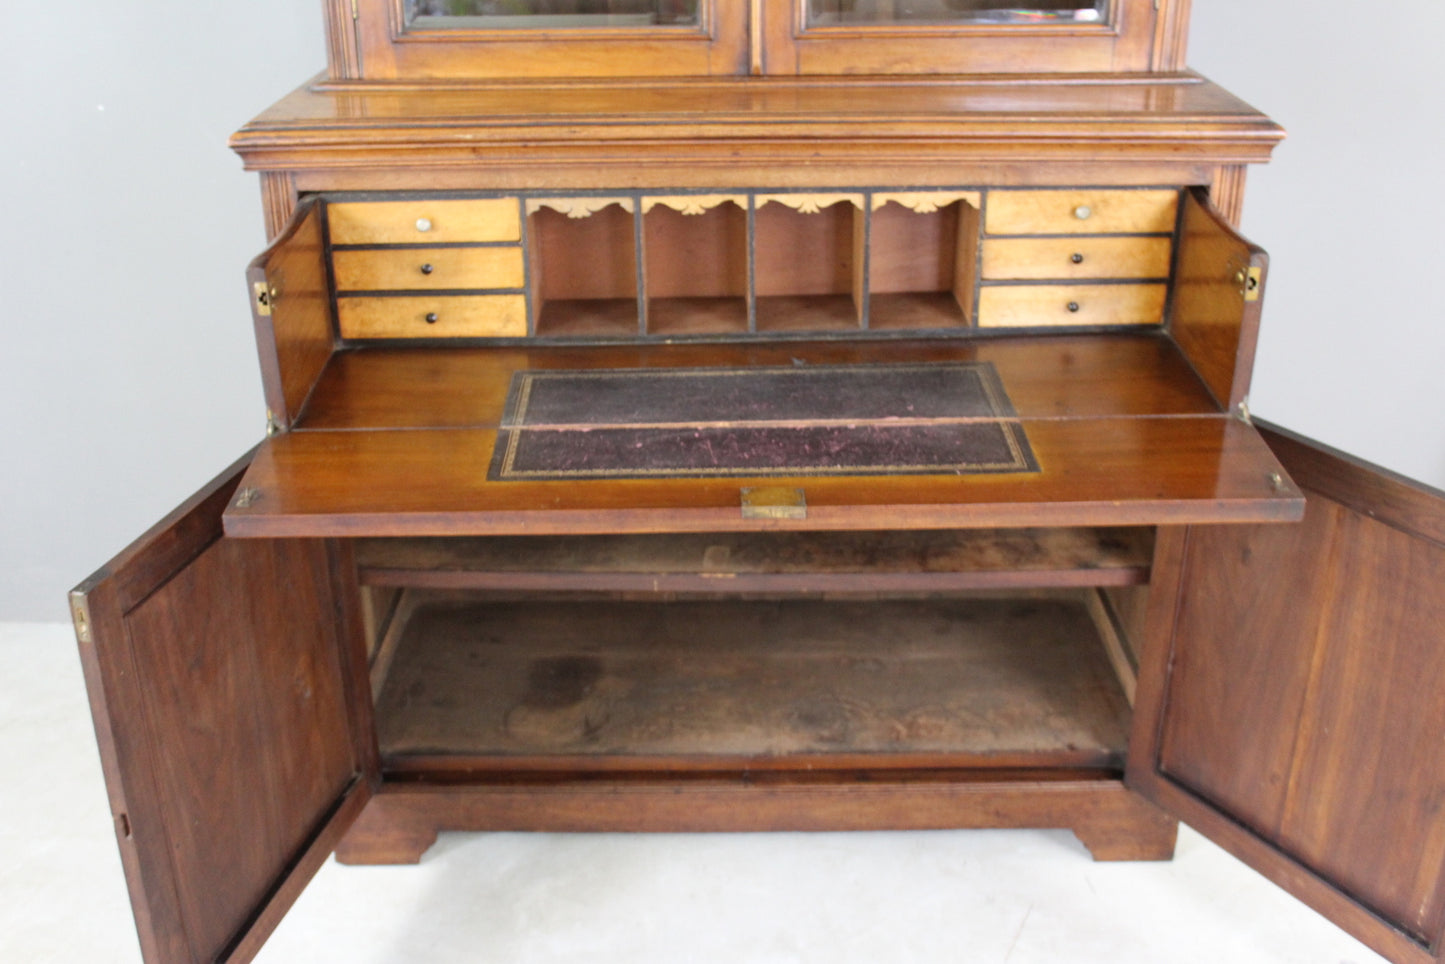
x,y
230,707
1299,717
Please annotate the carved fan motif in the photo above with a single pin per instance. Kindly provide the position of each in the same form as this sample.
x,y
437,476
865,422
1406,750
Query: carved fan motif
x,y
811,203
577,207
695,203
928,202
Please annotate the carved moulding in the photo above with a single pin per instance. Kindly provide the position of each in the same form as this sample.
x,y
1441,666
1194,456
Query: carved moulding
x,y
927,202
811,203
578,207
694,203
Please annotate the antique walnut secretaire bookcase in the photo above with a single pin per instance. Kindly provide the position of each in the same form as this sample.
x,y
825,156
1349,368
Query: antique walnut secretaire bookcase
x,y
767,414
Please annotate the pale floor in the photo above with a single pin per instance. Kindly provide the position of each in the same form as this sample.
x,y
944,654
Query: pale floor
x,y
979,896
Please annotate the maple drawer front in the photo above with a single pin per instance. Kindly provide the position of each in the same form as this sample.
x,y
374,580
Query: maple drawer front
x,y
444,316
1027,259
424,222
1028,306
404,268
1081,212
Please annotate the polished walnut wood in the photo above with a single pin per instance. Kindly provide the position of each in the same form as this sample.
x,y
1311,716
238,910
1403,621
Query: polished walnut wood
x,y
811,562
1218,298
234,728
1149,131
368,42
403,819
765,192
290,303
1297,718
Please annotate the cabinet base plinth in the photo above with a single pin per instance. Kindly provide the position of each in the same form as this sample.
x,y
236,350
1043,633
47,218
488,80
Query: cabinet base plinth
x,y
1113,823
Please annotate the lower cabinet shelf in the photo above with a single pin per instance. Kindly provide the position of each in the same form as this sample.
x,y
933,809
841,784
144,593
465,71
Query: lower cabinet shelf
x,y
737,684
628,683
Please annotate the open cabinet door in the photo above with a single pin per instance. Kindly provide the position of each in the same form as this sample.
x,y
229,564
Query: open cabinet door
x,y
233,720
1292,704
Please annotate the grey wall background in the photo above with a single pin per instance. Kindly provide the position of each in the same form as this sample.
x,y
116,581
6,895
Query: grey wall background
x,y
128,374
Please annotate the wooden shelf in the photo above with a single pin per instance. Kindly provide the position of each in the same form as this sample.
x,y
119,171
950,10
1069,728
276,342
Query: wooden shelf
x,y
810,313
916,311
608,685
772,562
588,318
697,315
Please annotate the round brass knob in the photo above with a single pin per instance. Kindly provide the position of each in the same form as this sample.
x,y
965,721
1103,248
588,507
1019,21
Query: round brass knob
x,y
423,224
1083,212
431,317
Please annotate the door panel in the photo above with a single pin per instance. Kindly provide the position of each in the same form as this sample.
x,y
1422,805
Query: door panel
x,y
226,696
1301,699
291,307
1218,296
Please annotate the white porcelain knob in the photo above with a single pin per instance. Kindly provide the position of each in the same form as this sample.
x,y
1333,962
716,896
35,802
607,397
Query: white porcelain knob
x,y
423,224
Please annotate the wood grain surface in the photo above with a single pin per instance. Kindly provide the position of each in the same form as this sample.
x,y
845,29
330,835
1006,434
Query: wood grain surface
x,y
965,681
1300,718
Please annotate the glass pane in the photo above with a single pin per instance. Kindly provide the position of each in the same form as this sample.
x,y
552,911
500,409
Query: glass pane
x,y
825,12
539,14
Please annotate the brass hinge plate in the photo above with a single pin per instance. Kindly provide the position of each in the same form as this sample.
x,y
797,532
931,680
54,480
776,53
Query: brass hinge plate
x,y
80,616
774,502
264,296
1250,283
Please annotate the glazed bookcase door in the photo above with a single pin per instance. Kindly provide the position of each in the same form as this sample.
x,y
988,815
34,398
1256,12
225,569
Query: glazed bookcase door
x,y
839,37
234,725
386,40
1296,716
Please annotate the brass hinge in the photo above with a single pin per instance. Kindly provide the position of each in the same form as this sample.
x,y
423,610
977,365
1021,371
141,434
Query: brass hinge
x,y
1242,410
774,502
265,297
246,497
80,616
1249,280
356,14
273,427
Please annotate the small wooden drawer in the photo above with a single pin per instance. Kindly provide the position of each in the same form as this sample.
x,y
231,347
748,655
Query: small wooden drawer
x,y
1027,306
424,222
1025,259
402,268
444,316
1081,212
